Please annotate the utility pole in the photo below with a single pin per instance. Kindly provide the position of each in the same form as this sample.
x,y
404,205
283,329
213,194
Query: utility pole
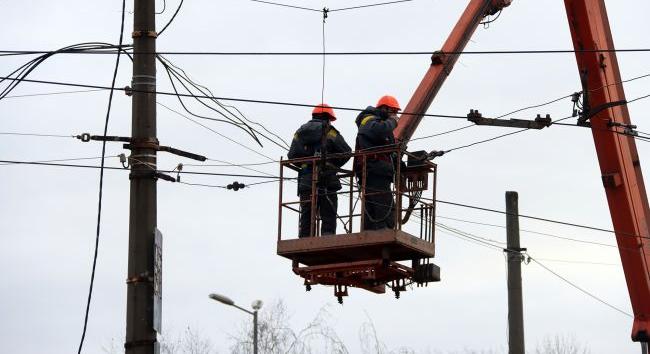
x,y
644,347
143,282
513,254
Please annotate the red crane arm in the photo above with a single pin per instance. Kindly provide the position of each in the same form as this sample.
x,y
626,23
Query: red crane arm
x,y
617,153
442,63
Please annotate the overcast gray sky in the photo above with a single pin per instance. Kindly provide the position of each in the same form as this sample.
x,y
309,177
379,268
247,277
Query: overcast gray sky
x,y
222,241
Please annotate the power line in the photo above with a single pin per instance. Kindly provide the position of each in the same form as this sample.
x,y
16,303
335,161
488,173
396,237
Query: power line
x,y
101,183
579,288
536,218
37,134
369,5
59,160
214,131
531,232
577,262
443,133
52,93
340,53
285,5
490,245
59,83
36,163
171,19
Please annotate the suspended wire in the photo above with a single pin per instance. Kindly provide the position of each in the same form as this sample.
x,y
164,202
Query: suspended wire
x,y
123,169
52,93
490,245
537,218
176,72
577,262
531,232
486,23
214,131
370,5
163,93
467,234
163,9
345,53
443,133
37,134
24,70
171,19
578,287
62,160
230,165
285,5
101,182
173,75
322,93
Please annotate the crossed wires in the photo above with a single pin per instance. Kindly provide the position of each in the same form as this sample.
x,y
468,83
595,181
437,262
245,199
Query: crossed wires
x,y
325,12
488,243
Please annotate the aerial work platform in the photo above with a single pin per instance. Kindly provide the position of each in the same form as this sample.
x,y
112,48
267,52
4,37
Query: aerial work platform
x,y
365,259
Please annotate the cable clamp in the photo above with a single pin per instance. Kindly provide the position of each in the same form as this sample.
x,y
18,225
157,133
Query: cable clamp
x,y
138,34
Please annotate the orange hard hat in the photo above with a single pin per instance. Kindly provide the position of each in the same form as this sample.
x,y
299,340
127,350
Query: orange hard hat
x,y
324,108
388,101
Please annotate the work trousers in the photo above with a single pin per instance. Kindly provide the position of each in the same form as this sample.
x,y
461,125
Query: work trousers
x,y
380,206
327,204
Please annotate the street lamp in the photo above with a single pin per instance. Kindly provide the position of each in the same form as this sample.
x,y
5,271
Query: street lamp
x,y
257,305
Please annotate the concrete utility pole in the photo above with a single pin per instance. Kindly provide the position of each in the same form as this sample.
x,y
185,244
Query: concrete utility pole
x,y
143,282
644,347
513,252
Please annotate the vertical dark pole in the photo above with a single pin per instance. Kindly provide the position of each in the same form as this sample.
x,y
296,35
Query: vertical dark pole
x,y
644,347
141,326
515,302
255,332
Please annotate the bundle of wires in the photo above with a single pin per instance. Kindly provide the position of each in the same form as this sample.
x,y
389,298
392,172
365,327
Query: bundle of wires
x,y
17,76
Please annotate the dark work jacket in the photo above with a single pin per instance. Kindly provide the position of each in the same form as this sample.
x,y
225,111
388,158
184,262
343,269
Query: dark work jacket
x,y
375,130
307,142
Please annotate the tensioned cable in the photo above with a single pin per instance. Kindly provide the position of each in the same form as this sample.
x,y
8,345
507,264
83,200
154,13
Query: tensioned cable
x,y
62,160
215,132
369,5
443,133
163,93
16,162
172,18
342,53
52,93
577,262
535,218
37,134
101,182
579,288
530,231
487,244
59,83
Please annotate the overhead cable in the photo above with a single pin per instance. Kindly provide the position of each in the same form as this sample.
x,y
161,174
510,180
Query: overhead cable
x,y
101,182
340,53
579,288
171,19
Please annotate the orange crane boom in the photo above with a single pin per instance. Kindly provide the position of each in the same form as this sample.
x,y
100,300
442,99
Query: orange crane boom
x,y
604,110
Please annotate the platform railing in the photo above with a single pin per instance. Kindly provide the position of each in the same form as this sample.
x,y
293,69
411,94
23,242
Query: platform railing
x,y
411,181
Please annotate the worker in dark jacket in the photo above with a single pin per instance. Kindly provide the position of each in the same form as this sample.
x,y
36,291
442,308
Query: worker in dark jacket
x,y
376,125
319,138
